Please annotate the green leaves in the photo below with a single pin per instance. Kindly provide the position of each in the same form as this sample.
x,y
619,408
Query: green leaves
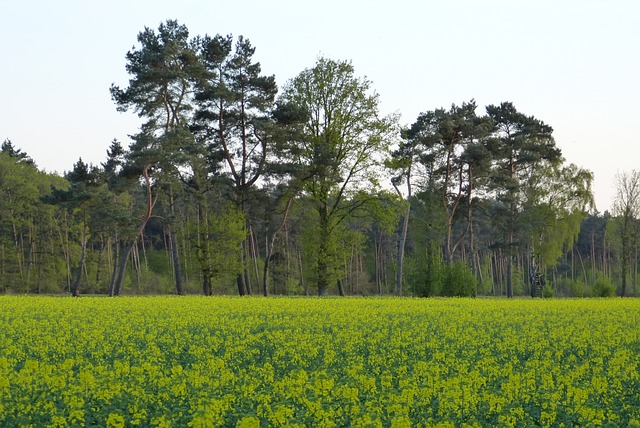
x,y
342,143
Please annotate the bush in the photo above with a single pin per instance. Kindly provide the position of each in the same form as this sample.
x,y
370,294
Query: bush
x,y
577,288
547,292
459,281
425,272
604,288
567,287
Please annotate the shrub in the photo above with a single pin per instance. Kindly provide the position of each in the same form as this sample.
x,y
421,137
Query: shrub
x,y
459,281
604,288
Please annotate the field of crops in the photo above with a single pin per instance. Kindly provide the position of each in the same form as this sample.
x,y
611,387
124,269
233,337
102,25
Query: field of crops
x,y
249,362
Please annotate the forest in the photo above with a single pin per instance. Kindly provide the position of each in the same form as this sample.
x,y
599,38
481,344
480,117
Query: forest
x,y
235,185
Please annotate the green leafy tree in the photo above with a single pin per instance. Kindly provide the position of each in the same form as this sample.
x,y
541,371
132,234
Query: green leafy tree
x,y
76,199
10,150
233,119
343,145
451,143
402,163
164,70
557,199
216,239
524,144
33,248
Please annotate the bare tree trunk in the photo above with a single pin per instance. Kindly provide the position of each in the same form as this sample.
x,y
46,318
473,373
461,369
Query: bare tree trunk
x,y
323,267
254,255
403,237
122,265
83,246
303,283
173,244
114,270
593,258
340,289
240,278
271,245
401,248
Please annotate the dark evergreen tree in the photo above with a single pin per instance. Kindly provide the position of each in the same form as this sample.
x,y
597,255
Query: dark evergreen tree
x,y
524,143
233,120
163,73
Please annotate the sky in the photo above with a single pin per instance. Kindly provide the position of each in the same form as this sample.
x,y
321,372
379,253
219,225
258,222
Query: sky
x,y
574,64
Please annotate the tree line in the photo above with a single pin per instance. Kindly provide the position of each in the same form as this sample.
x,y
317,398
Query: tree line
x,y
235,185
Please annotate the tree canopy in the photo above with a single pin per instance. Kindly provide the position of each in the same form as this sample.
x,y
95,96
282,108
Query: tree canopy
x,y
233,183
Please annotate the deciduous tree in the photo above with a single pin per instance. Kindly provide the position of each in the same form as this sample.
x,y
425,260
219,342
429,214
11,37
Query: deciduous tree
x,y
625,223
345,140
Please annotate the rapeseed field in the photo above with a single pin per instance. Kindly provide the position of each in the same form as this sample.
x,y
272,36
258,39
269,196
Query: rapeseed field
x,y
318,362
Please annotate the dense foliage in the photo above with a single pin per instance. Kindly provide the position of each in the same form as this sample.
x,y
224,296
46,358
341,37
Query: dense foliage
x,y
230,187
250,362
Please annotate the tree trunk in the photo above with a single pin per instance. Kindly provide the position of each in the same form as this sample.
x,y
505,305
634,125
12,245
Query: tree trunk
x,y
206,282
378,258
510,264
323,252
122,266
175,257
323,273
271,245
254,256
593,258
83,247
114,270
173,245
240,282
401,248
624,268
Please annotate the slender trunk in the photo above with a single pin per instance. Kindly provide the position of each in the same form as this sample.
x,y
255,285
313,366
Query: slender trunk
x,y
114,270
635,271
83,246
605,258
65,244
472,250
254,255
242,278
173,244
99,262
271,245
405,231
303,283
593,257
584,270
401,249
203,249
378,266
510,262
478,264
135,260
122,265
242,275
19,250
624,269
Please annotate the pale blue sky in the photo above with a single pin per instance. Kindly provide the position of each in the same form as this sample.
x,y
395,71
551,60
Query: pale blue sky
x,y
573,64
